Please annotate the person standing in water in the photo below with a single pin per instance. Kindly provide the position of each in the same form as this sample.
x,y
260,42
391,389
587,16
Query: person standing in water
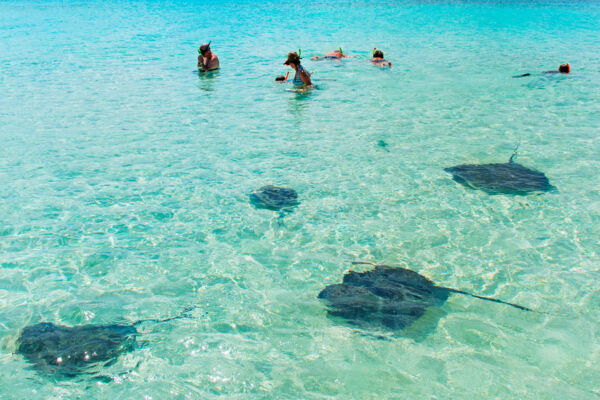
x,y
379,60
302,77
207,60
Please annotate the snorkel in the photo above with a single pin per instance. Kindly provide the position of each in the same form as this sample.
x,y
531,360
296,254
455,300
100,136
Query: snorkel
x,y
374,48
340,49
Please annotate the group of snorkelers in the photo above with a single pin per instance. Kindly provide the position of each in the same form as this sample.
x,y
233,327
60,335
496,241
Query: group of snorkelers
x,y
302,77
208,61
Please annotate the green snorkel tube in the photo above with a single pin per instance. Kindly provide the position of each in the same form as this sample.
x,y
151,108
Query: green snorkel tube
x,y
374,48
340,49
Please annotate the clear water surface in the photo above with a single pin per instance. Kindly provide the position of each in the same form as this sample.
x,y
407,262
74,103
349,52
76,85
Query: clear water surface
x,y
124,182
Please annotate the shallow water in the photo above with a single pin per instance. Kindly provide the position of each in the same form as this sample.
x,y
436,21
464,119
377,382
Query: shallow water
x,y
125,181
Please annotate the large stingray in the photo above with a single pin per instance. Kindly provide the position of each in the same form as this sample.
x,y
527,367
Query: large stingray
x,y
508,178
65,351
274,197
388,297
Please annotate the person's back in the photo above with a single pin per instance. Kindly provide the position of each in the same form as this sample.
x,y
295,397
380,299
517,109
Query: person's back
x,y
334,55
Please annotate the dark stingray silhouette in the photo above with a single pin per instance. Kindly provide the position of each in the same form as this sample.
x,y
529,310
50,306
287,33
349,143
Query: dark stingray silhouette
x,y
388,297
68,351
274,197
507,178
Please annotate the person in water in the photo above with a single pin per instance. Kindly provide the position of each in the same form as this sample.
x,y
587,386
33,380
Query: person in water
x,y
302,78
562,69
207,60
334,55
379,60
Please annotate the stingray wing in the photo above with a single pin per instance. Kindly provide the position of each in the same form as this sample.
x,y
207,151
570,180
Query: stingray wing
x,y
387,297
70,351
274,197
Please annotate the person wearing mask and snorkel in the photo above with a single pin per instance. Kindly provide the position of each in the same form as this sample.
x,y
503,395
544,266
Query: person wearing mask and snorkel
x,y
207,60
302,78
379,60
334,55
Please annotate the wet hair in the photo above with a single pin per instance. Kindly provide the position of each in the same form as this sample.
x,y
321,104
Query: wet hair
x,y
292,58
280,78
204,48
378,54
564,68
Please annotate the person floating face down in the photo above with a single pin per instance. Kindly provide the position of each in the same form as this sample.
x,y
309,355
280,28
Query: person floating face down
x,y
334,55
379,60
302,77
207,60
562,69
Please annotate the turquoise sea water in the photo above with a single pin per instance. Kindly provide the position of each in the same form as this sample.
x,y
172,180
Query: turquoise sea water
x,y
124,182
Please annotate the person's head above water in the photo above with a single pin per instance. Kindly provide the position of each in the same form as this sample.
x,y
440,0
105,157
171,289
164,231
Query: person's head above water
x,y
292,58
204,49
564,68
378,54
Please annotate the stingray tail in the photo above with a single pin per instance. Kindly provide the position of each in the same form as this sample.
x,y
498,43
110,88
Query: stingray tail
x,y
184,314
490,299
514,154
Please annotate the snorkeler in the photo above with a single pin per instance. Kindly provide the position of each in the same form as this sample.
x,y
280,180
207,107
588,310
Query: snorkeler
x,y
334,55
207,60
379,60
282,78
562,69
302,78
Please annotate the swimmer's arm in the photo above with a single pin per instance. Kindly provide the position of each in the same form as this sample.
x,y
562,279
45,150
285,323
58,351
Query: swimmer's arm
x,y
305,78
201,62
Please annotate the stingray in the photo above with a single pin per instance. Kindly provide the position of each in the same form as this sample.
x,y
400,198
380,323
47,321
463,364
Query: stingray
x,y
69,351
387,297
382,143
274,197
507,178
